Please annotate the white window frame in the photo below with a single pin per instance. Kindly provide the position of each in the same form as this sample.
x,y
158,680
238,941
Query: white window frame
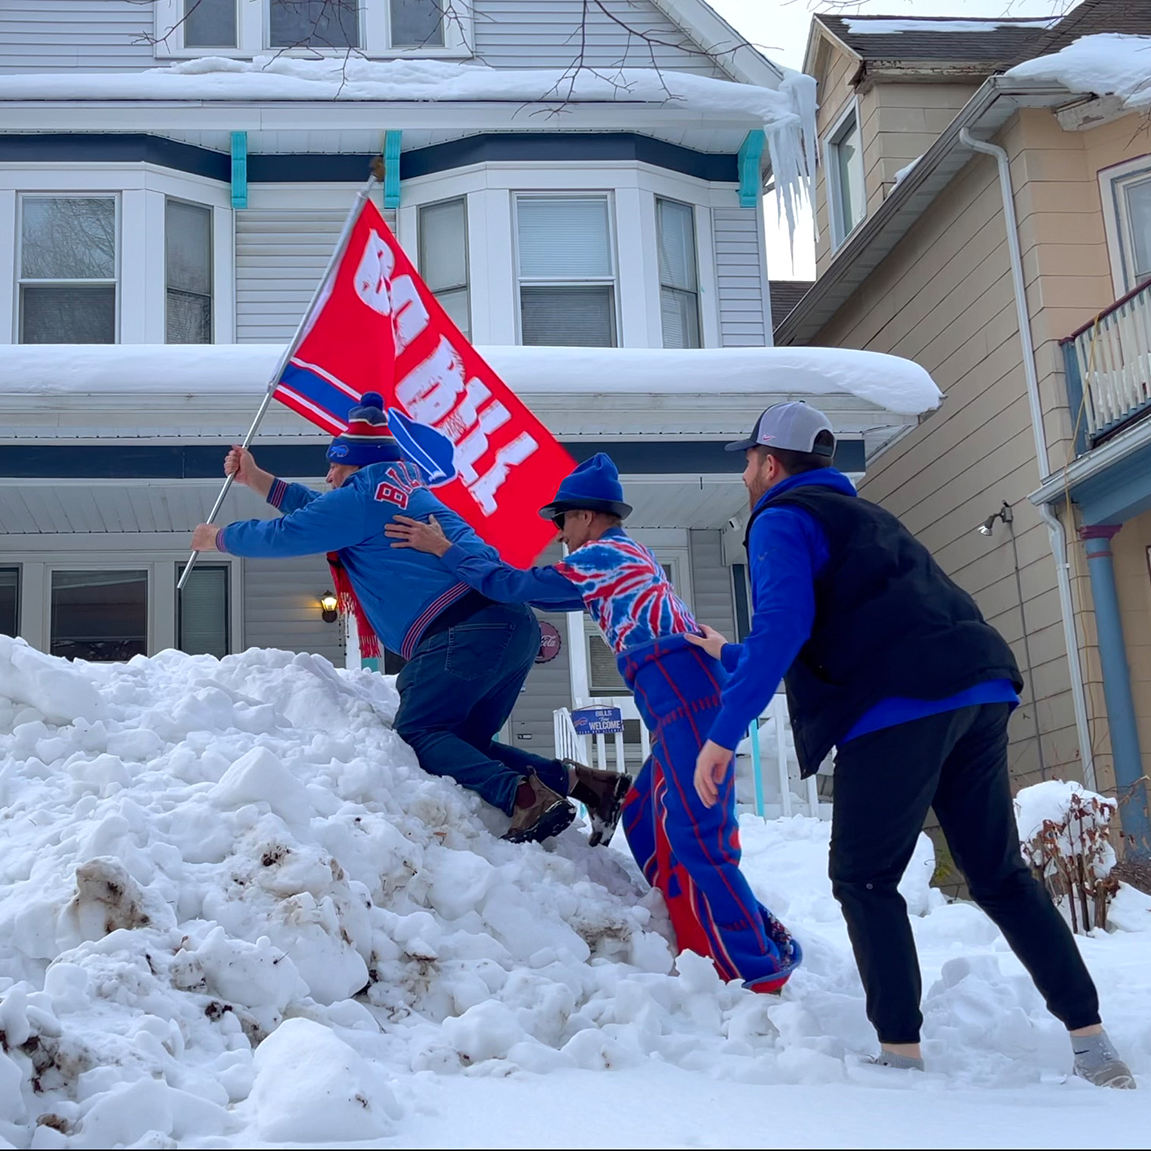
x,y
117,281
467,285
692,208
138,552
1116,222
253,33
840,232
607,194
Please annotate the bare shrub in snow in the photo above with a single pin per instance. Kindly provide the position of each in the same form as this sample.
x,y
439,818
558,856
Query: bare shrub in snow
x,y
1063,831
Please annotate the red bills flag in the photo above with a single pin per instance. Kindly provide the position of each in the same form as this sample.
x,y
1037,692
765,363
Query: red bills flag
x,y
375,326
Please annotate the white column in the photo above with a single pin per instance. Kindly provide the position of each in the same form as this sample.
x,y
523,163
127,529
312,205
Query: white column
x,y
638,262
9,321
578,658
494,296
142,318
223,276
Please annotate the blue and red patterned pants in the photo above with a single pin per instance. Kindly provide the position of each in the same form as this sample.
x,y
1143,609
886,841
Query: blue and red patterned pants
x,y
689,851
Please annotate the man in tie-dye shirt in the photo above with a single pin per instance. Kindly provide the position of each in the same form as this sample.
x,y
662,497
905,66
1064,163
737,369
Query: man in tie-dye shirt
x,y
691,852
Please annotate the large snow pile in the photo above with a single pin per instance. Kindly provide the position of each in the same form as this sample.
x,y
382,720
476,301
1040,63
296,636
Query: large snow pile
x,y
233,909
890,382
1107,64
786,113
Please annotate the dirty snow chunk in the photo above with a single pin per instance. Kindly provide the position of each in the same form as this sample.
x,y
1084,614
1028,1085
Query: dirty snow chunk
x,y
311,1087
258,776
892,382
55,688
1107,64
255,975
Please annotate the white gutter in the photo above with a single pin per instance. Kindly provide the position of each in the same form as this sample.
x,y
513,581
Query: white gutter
x,y
1055,529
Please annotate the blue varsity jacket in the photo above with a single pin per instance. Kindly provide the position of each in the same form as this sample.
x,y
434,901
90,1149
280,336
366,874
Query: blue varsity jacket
x,y
401,590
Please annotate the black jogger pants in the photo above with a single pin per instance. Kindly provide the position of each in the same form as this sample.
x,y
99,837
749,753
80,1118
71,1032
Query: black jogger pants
x,y
885,782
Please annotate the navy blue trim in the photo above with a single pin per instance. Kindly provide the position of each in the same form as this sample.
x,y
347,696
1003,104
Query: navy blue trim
x,y
131,148
205,461
349,168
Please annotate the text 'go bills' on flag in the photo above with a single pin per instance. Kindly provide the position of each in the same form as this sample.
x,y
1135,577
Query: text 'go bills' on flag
x,y
374,326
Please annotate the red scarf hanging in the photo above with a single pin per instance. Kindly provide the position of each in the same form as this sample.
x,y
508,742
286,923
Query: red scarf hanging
x,y
349,604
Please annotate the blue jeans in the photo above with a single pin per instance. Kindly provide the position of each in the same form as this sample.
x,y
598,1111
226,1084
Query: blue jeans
x,y
458,690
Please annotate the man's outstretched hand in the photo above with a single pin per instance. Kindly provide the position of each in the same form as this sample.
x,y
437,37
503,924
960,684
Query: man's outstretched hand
x,y
204,538
711,641
429,537
711,769
241,466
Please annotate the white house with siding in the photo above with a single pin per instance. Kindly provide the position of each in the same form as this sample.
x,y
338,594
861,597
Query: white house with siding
x,y
575,187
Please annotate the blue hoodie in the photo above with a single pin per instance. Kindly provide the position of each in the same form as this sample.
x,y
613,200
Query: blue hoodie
x,y
786,552
400,589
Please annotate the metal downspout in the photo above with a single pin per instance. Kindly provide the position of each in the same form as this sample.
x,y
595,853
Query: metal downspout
x,y
1055,529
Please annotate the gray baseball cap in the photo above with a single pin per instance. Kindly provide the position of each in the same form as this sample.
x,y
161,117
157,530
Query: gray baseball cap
x,y
793,427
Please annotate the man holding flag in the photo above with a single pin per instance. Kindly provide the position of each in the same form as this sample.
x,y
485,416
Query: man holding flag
x,y
467,656
377,363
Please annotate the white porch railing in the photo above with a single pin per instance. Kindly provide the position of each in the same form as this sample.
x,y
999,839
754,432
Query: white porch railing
x,y
766,760
1108,366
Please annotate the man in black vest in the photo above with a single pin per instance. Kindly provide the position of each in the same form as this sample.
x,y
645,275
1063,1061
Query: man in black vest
x,y
889,662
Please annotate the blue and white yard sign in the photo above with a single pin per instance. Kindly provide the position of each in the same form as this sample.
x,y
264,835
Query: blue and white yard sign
x,y
597,720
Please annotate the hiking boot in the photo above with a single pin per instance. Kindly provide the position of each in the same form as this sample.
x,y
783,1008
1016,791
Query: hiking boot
x,y
602,793
1099,1063
540,813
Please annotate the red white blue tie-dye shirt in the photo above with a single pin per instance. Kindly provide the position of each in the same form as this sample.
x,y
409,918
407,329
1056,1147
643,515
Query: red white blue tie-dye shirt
x,y
626,591
620,583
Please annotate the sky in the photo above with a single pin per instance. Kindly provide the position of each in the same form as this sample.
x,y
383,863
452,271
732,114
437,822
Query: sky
x,y
780,28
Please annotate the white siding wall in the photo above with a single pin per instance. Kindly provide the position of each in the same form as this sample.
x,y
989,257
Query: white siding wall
x,y
113,35
740,278
88,35
547,34
711,581
281,607
280,257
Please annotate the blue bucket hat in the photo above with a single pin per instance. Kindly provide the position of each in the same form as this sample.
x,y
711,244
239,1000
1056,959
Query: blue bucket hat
x,y
367,439
593,487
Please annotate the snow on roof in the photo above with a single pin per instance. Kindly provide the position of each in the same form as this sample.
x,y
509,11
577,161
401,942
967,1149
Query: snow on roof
x,y
787,113
1108,64
886,25
890,382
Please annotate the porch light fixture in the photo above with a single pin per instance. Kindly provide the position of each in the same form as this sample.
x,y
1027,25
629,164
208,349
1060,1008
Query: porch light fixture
x,y
329,604
988,525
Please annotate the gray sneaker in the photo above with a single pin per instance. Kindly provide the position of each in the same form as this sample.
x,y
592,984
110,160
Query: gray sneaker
x,y
1097,1061
547,815
898,1062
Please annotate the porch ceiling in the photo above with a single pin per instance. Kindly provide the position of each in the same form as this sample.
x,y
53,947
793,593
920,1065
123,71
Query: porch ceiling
x,y
95,507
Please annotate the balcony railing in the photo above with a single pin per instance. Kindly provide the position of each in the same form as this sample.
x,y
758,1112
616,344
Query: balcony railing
x,y
1108,365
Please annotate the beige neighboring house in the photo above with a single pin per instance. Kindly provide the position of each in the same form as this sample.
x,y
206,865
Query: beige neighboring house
x,y
996,229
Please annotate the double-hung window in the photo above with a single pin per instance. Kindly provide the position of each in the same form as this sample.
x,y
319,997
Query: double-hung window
x,y
1127,204
188,272
203,611
847,202
444,257
99,615
566,264
68,269
313,24
9,600
210,24
417,23
678,274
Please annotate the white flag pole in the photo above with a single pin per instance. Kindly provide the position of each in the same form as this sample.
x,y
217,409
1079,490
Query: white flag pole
x,y
289,351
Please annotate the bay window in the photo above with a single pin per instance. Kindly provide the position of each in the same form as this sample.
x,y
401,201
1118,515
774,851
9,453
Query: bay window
x,y
566,266
67,269
443,248
678,274
847,202
188,273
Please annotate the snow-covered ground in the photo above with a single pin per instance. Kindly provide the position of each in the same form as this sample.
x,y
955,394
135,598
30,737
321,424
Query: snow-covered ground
x,y
233,911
